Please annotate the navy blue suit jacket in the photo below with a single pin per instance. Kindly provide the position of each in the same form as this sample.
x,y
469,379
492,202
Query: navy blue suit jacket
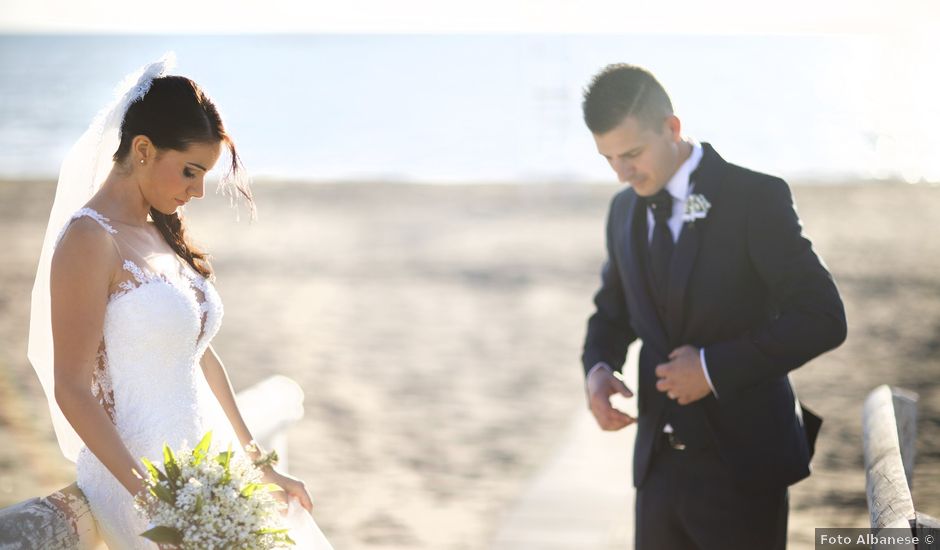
x,y
745,285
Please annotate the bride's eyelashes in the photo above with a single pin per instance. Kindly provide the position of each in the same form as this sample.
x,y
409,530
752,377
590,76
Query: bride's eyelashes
x,y
188,173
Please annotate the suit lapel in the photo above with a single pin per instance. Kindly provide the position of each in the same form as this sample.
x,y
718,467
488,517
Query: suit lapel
x,y
636,281
705,179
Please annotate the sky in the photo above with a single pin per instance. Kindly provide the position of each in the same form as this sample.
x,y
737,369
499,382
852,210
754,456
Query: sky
x,y
410,16
906,67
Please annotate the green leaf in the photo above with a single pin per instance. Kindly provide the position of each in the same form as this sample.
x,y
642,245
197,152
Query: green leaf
x,y
163,535
172,466
251,488
198,507
155,473
202,449
269,531
163,494
280,535
225,459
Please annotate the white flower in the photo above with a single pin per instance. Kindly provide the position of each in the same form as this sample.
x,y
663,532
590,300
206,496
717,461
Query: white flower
x,y
213,506
696,208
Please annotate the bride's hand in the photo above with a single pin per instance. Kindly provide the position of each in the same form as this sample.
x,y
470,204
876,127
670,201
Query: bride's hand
x,y
293,488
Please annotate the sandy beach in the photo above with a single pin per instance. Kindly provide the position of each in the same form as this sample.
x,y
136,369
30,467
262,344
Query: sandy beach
x,y
436,331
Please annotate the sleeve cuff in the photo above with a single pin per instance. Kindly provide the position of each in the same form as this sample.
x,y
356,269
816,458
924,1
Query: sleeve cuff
x,y
701,355
602,365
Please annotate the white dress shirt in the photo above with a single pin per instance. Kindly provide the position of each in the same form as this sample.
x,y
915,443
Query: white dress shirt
x,y
679,187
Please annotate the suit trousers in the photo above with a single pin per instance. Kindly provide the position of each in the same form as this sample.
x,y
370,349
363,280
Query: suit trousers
x,y
689,502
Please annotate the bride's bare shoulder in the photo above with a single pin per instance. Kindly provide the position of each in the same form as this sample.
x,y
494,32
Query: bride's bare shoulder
x,y
86,247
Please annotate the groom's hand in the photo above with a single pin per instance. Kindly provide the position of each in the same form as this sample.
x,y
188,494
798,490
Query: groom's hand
x,y
601,384
683,378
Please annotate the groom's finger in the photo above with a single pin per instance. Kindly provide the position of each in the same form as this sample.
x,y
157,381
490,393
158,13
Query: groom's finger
x,y
663,369
620,415
622,388
607,417
616,420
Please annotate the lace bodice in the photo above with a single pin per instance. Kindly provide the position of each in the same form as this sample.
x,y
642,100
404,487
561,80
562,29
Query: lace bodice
x,y
158,323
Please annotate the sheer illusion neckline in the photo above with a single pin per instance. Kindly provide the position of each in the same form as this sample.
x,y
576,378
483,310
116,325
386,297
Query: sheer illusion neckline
x,y
144,225
186,280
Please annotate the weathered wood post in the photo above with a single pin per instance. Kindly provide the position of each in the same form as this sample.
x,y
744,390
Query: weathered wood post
x,y
61,520
889,431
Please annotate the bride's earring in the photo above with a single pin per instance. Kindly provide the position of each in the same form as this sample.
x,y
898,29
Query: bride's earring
x,y
141,161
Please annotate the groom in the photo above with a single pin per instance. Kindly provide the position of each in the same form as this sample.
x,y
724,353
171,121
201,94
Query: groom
x,y
708,266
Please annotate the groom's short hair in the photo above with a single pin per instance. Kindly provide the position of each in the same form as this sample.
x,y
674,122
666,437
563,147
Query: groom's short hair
x,y
621,90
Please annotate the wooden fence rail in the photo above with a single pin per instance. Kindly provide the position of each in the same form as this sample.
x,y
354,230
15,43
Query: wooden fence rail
x,y
63,520
889,437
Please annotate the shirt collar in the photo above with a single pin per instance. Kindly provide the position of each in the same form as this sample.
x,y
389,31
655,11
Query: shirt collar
x,y
678,185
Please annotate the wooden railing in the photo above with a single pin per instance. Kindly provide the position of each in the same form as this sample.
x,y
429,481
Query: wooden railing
x,y
889,432
63,520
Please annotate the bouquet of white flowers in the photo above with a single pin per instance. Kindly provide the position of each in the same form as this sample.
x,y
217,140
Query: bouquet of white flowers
x,y
210,502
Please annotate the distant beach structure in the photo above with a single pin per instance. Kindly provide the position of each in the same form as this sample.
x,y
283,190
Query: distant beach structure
x,y
495,108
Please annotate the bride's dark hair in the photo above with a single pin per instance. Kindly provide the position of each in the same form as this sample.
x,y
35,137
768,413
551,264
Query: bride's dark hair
x,y
174,114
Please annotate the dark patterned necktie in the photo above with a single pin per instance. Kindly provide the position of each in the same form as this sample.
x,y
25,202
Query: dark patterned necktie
x,y
661,246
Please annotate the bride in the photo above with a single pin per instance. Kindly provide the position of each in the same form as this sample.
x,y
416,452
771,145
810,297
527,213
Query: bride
x,y
124,308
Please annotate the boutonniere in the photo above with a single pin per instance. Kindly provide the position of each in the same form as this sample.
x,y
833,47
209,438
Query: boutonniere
x,y
696,208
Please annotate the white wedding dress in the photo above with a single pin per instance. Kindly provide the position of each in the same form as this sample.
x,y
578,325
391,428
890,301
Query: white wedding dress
x,y
157,325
